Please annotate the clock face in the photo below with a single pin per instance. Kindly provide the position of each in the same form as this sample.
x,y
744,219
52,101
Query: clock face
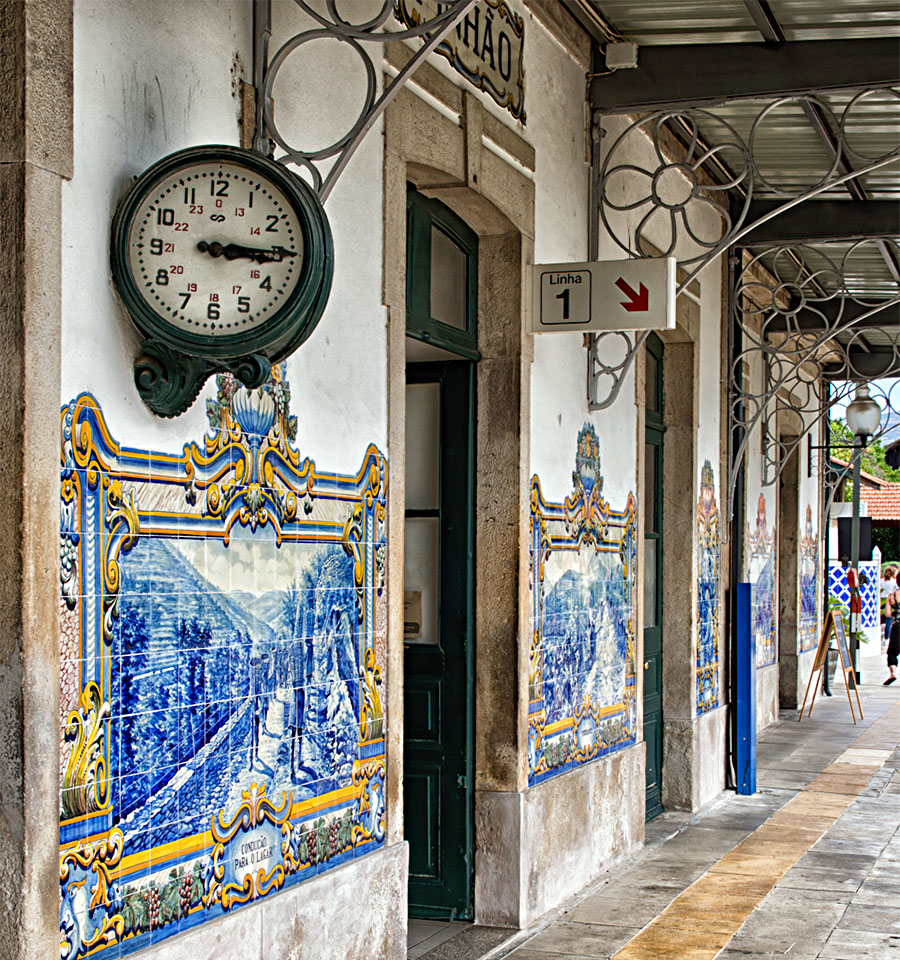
x,y
215,248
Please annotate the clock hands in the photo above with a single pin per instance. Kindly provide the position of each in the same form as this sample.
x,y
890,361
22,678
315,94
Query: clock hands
x,y
233,251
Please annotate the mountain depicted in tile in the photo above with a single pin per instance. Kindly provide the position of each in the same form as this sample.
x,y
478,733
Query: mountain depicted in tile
x,y
222,613
582,665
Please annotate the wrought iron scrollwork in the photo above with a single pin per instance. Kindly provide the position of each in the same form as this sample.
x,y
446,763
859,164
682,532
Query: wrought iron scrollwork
x,y
799,309
332,26
666,201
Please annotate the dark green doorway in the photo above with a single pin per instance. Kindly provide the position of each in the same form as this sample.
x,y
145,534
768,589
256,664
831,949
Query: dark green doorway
x,y
439,561
653,571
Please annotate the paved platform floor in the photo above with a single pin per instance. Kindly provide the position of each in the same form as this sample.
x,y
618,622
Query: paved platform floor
x,y
808,867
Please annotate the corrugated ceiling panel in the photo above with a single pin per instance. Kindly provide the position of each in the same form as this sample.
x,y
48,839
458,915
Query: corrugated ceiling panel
x,y
673,21
865,272
786,149
837,19
728,21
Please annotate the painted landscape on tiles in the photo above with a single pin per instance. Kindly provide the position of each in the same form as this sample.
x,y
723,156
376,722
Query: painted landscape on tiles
x,y
760,566
582,666
222,616
809,585
708,557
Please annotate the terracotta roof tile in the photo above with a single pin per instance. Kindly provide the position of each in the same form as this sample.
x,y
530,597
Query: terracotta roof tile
x,y
883,502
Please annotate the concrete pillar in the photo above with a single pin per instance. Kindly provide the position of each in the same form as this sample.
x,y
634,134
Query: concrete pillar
x,y
35,157
679,576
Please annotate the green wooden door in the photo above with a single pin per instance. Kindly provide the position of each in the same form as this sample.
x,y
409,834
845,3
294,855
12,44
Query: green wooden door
x,y
437,779
653,557
438,571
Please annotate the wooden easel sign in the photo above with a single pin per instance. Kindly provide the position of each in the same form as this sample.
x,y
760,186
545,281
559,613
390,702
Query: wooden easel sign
x,y
833,622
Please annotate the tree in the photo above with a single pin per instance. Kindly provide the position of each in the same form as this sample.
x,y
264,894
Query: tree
x,y
873,455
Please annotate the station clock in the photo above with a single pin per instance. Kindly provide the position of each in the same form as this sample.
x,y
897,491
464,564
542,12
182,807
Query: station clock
x,y
224,260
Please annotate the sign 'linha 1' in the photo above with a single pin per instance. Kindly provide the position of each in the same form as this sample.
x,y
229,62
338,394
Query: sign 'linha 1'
x,y
603,295
486,47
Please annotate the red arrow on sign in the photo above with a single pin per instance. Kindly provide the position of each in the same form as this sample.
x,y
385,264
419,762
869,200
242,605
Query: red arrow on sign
x,y
637,302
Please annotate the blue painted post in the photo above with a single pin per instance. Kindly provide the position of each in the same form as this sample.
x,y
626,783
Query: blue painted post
x,y
745,704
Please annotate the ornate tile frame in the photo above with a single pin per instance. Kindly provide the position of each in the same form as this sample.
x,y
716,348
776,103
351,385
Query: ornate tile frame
x,y
760,554
247,475
584,521
808,620
708,573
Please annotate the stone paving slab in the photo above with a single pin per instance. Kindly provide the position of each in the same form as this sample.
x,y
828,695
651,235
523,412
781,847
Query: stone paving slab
x,y
883,918
834,881
580,939
809,870
861,945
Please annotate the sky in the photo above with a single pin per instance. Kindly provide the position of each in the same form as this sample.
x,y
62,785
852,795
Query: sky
x,y
250,562
886,393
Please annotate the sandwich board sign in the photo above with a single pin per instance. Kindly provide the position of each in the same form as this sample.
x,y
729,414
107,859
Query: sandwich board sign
x,y
603,295
834,622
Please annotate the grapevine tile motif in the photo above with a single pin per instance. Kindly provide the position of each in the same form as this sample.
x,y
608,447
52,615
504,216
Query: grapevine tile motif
x,y
809,585
760,573
708,557
582,665
222,614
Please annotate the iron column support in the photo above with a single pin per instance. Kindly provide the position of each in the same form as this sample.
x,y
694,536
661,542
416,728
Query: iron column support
x,y
854,560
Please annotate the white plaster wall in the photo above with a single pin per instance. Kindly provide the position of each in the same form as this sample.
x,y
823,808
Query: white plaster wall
x,y
154,78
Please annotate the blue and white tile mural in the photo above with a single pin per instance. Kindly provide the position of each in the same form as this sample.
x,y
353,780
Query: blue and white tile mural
x,y
869,592
708,558
760,574
582,665
222,616
808,625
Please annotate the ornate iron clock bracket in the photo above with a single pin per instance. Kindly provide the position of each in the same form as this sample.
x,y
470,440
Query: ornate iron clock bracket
x,y
168,381
333,26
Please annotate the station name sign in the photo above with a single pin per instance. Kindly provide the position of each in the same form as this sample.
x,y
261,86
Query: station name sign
x,y
486,47
603,295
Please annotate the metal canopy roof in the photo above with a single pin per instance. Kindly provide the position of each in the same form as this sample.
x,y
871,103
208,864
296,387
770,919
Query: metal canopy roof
x,y
785,114
650,22
796,49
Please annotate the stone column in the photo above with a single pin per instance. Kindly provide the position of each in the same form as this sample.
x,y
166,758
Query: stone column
x,y
35,157
788,579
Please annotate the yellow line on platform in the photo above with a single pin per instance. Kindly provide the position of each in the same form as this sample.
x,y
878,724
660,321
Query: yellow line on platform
x,y
703,919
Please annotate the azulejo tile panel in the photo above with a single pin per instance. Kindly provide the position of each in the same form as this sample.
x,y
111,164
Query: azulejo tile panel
x,y
760,564
809,585
869,593
222,614
708,565
582,689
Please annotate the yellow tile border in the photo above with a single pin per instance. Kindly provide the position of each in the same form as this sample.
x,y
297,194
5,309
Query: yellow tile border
x,y
683,930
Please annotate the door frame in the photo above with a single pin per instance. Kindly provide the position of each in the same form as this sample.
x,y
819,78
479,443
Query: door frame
x,y
457,376
653,430
444,160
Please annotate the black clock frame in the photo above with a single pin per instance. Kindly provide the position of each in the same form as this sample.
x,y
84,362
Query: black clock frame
x,y
176,363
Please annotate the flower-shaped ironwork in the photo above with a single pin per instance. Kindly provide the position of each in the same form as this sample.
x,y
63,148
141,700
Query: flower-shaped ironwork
x,y
667,205
801,309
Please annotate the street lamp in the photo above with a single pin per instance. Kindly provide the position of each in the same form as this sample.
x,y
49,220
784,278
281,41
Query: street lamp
x,y
863,418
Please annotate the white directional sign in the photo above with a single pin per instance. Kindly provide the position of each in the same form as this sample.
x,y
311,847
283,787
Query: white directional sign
x,y
603,295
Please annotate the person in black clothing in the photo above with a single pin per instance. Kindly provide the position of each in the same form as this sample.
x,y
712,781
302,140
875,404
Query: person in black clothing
x,y
893,650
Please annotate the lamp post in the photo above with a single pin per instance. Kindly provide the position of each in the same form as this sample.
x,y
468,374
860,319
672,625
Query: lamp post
x,y
863,419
